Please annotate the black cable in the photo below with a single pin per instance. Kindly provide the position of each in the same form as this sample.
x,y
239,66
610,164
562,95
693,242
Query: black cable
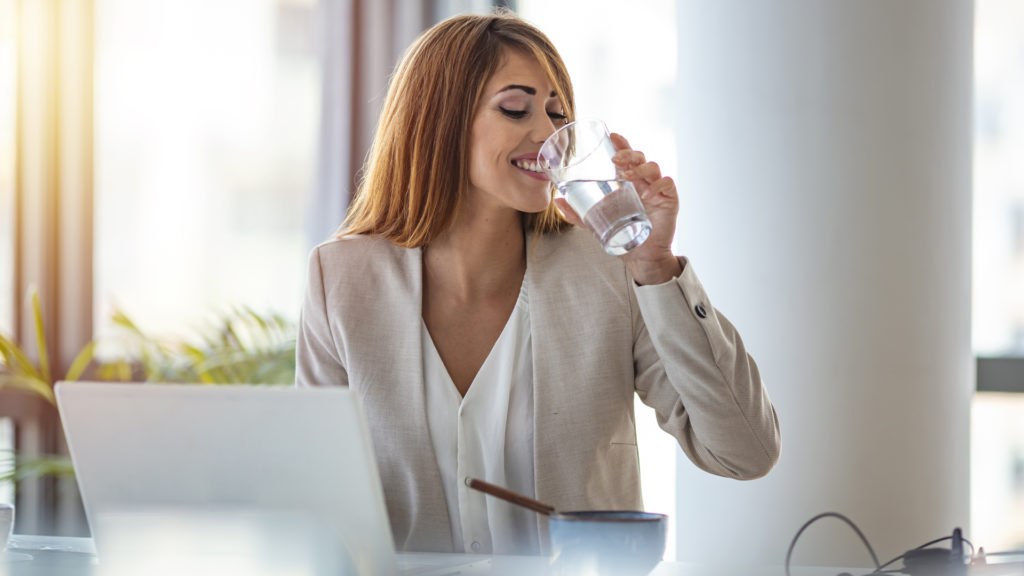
x,y
943,539
893,561
789,553
921,547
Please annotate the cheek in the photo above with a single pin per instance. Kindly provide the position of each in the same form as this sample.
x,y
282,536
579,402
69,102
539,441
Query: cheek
x,y
477,168
484,164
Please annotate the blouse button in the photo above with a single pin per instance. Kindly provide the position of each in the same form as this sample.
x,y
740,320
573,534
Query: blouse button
x,y
701,312
476,546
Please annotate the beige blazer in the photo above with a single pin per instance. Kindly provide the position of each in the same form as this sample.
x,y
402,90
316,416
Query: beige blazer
x,y
597,339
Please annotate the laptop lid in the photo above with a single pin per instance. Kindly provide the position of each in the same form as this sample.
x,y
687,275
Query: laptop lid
x,y
145,447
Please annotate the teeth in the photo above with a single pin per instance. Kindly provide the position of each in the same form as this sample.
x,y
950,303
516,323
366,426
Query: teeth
x,y
527,165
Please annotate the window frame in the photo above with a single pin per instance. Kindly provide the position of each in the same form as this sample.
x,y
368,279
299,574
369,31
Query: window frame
x,y
1000,374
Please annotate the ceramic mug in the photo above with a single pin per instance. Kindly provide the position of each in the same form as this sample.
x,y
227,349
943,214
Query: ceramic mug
x,y
623,543
6,524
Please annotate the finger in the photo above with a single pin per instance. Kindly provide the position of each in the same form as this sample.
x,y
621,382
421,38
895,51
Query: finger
x,y
648,171
629,158
568,212
620,141
662,188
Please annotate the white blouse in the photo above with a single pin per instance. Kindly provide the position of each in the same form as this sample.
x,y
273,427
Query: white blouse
x,y
488,434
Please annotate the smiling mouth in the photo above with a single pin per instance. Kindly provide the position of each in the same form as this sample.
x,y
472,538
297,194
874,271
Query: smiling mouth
x,y
527,165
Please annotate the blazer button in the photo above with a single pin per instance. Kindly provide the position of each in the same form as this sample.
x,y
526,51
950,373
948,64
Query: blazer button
x,y
701,312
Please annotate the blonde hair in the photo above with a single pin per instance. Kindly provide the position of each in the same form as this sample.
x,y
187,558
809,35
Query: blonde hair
x,y
417,171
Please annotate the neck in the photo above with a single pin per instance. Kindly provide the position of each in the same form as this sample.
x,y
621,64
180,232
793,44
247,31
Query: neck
x,y
479,256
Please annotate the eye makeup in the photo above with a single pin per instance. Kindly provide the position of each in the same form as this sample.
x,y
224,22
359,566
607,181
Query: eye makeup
x,y
519,104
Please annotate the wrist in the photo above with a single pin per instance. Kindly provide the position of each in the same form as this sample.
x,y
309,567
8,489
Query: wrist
x,y
657,271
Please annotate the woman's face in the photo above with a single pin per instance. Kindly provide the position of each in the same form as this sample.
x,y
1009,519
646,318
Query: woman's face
x,y
517,112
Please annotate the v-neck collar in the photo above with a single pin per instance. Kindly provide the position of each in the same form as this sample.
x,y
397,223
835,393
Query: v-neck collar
x,y
501,341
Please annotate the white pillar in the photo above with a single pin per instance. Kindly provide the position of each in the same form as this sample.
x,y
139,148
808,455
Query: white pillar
x,y
825,163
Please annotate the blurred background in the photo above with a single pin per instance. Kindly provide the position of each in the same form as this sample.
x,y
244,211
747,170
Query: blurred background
x,y
173,160
997,473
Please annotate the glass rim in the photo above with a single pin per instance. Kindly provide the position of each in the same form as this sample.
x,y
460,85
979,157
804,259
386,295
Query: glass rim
x,y
579,122
548,142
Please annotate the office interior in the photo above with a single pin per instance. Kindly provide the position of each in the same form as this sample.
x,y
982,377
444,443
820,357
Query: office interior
x,y
852,195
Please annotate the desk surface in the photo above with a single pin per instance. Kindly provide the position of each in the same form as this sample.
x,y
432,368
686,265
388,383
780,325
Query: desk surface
x,y
60,556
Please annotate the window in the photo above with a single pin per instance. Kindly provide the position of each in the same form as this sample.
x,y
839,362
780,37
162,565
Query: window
x,y
206,119
8,77
7,114
997,467
997,444
591,43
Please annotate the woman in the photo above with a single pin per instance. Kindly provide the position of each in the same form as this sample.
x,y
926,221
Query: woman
x,y
489,337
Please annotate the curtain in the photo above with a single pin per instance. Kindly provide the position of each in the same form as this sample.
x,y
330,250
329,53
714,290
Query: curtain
x,y
52,231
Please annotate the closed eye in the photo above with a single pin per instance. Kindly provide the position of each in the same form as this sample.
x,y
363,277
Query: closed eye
x,y
517,114
558,116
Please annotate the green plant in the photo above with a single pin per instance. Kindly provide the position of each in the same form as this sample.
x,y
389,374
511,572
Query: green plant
x,y
18,371
14,468
241,347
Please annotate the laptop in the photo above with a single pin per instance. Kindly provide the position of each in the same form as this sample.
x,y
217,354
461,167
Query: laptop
x,y
205,467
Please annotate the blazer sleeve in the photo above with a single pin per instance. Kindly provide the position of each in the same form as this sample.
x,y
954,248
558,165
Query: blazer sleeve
x,y
693,369
318,360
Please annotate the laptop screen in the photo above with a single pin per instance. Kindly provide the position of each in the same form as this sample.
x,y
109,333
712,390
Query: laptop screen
x,y
153,457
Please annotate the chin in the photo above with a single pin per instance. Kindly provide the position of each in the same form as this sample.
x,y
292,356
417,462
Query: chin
x,y
536,203
534,208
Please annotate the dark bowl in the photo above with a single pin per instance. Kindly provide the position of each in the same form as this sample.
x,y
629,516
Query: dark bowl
x,y
619,543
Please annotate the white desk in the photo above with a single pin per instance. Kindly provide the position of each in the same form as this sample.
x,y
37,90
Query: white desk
x,y
60,556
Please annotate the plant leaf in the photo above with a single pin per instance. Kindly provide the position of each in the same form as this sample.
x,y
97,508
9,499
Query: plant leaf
x,y
121,319
81,361
22,382
124,371
48,465
229,330
44,356
16,359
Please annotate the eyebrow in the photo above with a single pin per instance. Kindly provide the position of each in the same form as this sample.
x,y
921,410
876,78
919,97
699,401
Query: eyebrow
x,y
528,89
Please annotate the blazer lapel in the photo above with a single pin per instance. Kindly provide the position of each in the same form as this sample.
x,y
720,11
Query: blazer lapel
x,y
434,508
405,449
583,371
543,338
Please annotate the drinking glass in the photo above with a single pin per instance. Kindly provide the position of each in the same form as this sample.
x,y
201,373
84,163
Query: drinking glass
x,y
578,160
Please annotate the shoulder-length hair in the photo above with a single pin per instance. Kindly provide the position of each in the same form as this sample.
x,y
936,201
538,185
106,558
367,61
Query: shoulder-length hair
x,y
417,171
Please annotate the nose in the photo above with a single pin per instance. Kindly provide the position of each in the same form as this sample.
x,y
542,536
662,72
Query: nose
x,y
542,128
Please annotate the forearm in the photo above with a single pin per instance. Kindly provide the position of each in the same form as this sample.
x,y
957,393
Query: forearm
x,y
693,368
